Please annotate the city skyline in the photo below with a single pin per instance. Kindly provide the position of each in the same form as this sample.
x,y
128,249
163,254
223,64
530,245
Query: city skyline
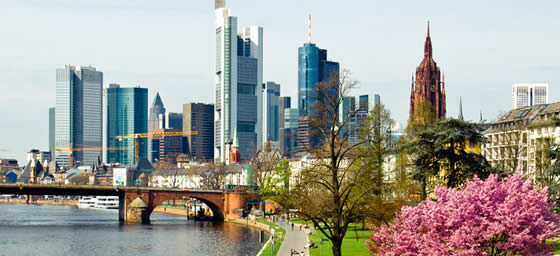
x,y
494,53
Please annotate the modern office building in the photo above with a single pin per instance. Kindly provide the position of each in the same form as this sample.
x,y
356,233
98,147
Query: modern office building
x,y
239,71
199,117
156,109
52,134
288,133
271,113
169,146
358,118
283,103
528,95
313,68
368,102
348,108
126,113
78,115
171,120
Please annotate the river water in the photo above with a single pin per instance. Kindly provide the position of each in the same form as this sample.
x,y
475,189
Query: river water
x,y
60,230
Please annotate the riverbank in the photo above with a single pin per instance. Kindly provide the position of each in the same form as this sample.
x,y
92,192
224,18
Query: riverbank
x,y
73,203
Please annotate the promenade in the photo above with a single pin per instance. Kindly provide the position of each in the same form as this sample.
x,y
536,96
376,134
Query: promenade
x,y
296,239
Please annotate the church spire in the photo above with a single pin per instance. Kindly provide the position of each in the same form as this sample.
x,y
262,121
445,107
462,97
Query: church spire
x,y
461,108
428,44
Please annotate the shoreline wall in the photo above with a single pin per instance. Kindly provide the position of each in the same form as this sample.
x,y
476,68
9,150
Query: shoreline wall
x,y
72,203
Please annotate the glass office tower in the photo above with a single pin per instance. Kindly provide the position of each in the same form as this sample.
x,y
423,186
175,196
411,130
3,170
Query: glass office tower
x,y
239,77
78,115
126,113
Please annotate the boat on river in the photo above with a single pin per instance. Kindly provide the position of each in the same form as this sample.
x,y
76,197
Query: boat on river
x,y
86,202
99,202
107,202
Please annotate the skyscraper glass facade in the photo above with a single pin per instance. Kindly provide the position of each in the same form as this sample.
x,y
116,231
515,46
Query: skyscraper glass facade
x,y
126,114
78,115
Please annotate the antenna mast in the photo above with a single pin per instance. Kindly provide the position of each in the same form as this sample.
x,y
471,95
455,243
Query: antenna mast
x,y
309,30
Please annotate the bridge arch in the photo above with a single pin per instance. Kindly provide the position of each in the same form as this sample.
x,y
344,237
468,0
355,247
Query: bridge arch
x,y
214,200
218,214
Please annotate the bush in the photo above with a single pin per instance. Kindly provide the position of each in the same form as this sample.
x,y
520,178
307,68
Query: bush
x,y
490,217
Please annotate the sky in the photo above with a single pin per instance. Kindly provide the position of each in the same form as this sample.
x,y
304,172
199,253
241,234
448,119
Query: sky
x,y
168,46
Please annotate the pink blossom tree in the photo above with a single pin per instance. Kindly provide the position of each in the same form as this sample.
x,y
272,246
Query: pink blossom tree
x,y
491,217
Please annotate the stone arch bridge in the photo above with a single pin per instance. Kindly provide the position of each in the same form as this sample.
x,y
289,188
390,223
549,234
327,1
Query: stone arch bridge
x,y
137,203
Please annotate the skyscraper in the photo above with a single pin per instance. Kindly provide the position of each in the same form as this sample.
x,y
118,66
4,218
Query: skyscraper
x,y
430,84
156,109
288,133
170,120
283,103
525,95
199,117
313,68
78,115
126,113
52,134
358,118
239,71
271,115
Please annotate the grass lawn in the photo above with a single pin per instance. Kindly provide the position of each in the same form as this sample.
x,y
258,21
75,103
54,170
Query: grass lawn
x,y
354,242
279,232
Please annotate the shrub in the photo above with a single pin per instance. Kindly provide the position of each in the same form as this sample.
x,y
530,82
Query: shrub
x,y
491,217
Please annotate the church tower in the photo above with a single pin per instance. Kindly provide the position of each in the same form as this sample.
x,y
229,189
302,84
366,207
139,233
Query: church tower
x,y
429,85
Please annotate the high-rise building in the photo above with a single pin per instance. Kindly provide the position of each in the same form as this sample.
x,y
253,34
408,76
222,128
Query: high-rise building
x,y
430,84
199,117
78,115
239,72
348,108
358,118
271,113
169,146
126,114
283,103
313,68
170,120
52,134
288,133
156,109
528,95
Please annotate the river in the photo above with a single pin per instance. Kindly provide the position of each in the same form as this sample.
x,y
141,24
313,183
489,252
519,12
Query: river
x,y
60,230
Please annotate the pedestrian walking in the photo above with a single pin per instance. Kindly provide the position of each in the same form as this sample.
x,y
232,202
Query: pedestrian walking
x,y
292,226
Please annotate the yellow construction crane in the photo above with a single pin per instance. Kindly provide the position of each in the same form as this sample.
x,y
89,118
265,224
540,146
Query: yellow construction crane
x,y
72,149
153,134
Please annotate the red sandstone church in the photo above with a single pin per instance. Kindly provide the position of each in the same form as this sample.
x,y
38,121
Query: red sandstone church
x,y
429,85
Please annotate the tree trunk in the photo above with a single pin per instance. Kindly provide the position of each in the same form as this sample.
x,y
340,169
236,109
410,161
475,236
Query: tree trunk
x,y
337,246
424,192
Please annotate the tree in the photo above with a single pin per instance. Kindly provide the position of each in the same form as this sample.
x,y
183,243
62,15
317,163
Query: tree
x,y
491,217
276,186
81,179
172,175
213,176
262,165
331,192
440,150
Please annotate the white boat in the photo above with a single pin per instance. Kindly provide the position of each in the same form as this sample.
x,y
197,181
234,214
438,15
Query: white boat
x,y
107,202
86,202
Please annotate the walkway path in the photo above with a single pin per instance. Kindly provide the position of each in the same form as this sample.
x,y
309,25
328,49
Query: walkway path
x,y
296,239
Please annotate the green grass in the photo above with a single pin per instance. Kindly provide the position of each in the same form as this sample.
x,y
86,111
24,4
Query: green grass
x,y
555,244
354,242
279,232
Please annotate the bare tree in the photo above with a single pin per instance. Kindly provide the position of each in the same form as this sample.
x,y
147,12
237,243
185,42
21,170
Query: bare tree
x,y
332,192
213,176
170,173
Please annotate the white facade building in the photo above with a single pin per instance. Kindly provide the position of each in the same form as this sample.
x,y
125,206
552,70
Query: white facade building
x,y
517,141
239,77
527,95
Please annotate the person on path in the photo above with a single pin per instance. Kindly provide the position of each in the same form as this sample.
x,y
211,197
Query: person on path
x,y
292,226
